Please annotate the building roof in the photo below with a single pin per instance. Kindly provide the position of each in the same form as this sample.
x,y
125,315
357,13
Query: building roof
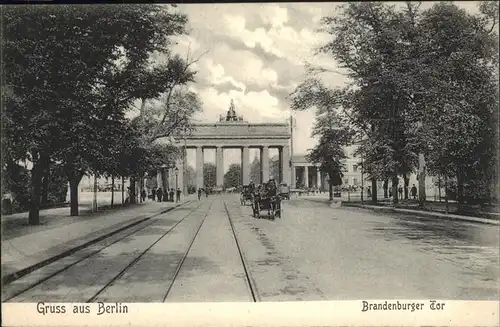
x,y
299,158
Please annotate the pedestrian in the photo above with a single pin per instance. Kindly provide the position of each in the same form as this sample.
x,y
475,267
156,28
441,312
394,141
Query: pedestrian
x,y
143,195
199,193
171,194
159,193
153,193
127,199
179,192
400,191
369,192
414,192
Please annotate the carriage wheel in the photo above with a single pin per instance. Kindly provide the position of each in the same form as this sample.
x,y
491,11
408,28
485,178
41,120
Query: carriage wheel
x,y
272,211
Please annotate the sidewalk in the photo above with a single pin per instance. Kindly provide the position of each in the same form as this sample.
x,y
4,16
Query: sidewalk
x,y
29,247
422,213
337,202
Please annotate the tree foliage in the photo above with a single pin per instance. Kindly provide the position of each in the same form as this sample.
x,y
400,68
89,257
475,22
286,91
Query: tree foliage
x,y
232,178
210,175
420,81
70,76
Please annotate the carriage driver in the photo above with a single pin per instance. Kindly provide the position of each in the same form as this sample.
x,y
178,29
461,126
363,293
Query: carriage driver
x,y
272,188
251,187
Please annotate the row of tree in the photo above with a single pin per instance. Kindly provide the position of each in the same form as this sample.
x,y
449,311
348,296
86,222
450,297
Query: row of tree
x,y
72,73
421,94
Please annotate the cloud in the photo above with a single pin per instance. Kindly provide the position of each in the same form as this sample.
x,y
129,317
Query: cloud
x,y
256,56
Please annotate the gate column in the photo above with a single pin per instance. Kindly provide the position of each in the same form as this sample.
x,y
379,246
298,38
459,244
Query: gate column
x,y
199,167
264,164
305,178
285,165
220,166
245,165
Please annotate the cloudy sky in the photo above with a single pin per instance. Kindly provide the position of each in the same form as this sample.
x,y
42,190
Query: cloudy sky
x,y
255,54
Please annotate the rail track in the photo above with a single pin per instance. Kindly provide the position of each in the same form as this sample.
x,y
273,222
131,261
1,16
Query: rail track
x,y
14,293
10,292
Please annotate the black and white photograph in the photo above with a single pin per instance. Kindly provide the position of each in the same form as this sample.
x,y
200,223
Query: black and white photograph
x,y
250,152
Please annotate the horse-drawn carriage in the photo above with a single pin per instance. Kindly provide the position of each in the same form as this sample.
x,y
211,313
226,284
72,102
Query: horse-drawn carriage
x,y
267,199
246,195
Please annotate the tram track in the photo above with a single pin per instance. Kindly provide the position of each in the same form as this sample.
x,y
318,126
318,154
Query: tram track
x,y
121,275
136,259
135,229
250,282
248,279
179,265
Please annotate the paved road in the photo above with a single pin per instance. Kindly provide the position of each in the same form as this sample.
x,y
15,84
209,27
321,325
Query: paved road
x,y
313,253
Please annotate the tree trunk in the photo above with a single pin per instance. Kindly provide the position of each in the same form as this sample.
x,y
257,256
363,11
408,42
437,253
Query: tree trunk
x,y
386,185
439,189
407,183
45,186
94,202
73,196
141,186
36,188
164,180
74,181
330,189
374,190
112,190
446,192
132,190
395,182
421,180
460,190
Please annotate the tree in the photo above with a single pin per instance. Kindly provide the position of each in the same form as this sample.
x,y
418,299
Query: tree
x,y
329,126
274,168
405,66
190,176
67,72
209,175
255,175
460,118
232,178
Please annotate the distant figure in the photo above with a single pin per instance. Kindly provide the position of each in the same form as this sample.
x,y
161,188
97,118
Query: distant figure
x,y
153,193
199,193
159,194
414,192
400,191
179,192
369,192
171,194
143,195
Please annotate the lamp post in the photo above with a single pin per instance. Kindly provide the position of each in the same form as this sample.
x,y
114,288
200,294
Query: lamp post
x,y
164,183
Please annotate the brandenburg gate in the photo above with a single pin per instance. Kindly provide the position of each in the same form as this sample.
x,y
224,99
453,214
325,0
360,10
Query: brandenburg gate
x,y
233,132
